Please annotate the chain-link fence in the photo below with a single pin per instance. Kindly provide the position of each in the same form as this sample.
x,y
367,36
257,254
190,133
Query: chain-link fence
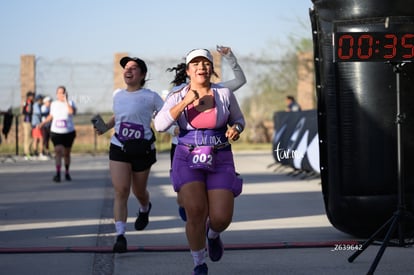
x,y
90,86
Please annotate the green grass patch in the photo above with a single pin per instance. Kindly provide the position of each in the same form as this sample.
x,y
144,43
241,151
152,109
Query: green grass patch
x,y
103,147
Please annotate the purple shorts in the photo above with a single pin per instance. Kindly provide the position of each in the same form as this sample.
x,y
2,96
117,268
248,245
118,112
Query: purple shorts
x,y
222,176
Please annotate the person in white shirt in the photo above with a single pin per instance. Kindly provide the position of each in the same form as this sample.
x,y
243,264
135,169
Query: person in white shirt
x,y
62,130
132,150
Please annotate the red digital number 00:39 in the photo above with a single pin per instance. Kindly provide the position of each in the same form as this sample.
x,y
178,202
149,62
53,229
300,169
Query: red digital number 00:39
x,y
378,46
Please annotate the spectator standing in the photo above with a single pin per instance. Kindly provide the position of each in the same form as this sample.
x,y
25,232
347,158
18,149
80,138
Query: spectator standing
x,y
37,143
27,110
7,122
292,105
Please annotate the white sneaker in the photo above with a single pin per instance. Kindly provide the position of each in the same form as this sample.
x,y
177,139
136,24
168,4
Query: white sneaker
x,y
43,157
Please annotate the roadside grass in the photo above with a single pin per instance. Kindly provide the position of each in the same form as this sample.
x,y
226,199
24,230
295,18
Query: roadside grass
x,y
103,147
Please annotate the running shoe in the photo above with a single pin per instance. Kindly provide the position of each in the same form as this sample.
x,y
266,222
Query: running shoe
x,y
201,269
215,248
183,215
68,177
43,157
120,245
142,220
56,178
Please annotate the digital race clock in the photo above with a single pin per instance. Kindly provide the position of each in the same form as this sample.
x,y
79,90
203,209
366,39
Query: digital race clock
x,y
373,46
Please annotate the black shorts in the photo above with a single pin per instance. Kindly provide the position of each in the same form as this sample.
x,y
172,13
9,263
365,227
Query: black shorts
x,y
63,139
138,163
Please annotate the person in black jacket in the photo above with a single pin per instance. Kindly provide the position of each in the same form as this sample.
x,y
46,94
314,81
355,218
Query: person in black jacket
x,y
27,111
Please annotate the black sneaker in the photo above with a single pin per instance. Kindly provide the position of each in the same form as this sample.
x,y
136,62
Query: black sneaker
x,y
68,177
120,245
56,178
200,270
142,220
215,248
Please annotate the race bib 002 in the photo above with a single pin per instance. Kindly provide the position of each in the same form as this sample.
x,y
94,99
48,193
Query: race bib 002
x,y
202,157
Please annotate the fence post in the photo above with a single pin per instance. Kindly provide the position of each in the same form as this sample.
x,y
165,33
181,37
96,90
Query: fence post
x,y
17,135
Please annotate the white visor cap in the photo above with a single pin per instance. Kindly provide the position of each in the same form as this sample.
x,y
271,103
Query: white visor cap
x,y
198,53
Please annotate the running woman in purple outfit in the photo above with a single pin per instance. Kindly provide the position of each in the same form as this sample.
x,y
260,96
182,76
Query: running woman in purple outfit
x,y
203,172
180,81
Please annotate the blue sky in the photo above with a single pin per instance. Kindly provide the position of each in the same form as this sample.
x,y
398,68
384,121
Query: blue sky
x,y
91,30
